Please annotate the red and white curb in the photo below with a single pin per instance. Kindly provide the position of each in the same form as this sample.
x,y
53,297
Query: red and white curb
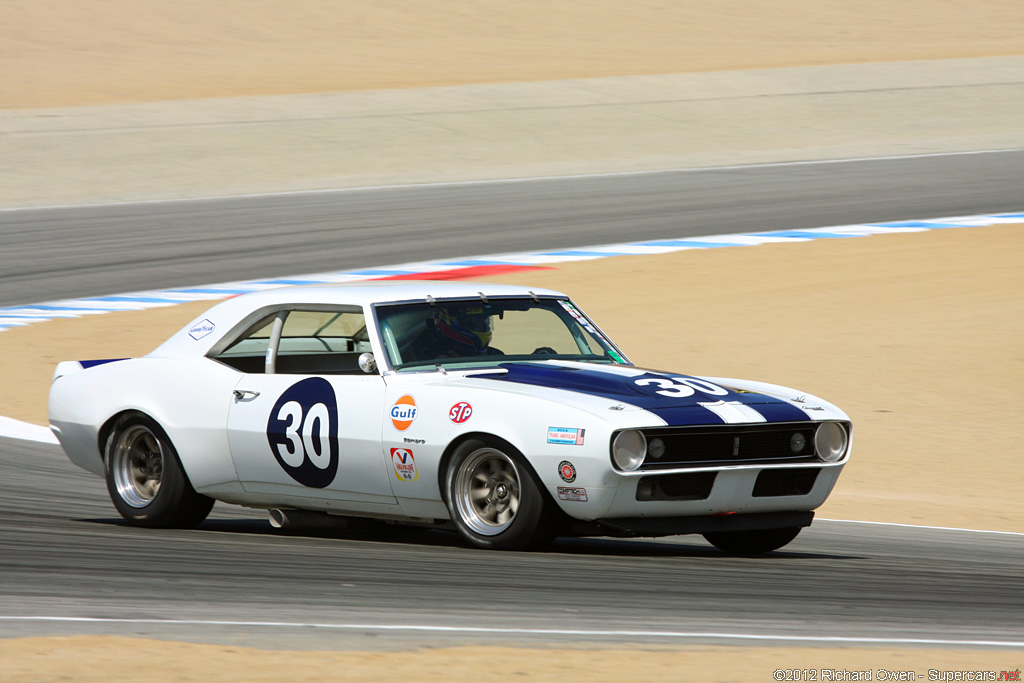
x,y
480,266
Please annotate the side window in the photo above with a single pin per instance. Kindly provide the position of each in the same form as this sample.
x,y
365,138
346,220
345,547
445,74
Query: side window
x,y
249,352
322,342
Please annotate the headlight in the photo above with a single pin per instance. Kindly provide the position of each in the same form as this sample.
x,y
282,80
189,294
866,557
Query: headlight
x,y
797,442
628,449
655,449
830,441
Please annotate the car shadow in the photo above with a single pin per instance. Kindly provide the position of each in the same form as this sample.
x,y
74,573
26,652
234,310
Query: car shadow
x,y
374,531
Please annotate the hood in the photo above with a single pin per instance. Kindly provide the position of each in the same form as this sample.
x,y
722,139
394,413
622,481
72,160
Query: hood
x,y
677,399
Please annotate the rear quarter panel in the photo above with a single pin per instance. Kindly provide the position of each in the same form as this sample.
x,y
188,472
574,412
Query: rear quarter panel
x,y
189,399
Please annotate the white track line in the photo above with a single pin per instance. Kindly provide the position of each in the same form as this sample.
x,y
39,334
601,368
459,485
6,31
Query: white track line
x,y
921,526
678,635
527,179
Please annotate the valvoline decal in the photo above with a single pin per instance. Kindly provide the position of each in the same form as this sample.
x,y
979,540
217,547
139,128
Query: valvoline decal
x,y
404,464
403,412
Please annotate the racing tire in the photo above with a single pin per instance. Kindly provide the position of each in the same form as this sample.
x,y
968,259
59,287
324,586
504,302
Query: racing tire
x,y
145,479
753,542
495,500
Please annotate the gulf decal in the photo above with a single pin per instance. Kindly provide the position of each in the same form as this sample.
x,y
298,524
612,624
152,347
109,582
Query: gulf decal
x,y
404,464
460,412
403,412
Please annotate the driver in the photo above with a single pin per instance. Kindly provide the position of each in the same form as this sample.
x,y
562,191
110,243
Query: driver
x,y
463,330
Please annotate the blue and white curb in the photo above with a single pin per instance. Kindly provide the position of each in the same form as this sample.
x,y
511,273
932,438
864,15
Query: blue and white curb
x,y
19,316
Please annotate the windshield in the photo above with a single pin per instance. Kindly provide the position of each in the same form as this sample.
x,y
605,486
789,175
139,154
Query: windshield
x,y
477,332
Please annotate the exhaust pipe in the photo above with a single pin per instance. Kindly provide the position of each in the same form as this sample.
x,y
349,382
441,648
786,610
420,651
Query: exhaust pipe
x,y
290,519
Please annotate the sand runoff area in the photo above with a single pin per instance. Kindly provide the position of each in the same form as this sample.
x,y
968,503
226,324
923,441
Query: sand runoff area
x,y
917,336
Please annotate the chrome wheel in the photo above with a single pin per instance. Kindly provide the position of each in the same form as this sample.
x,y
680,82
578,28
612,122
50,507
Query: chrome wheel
x,y
137,465
485,490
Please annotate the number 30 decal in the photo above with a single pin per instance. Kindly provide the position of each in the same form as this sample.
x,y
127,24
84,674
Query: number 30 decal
x,y
303,432
680,387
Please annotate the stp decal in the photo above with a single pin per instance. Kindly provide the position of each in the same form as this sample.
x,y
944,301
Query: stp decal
x,y
567,472
460,412
303,432
403,412
404,464
569,436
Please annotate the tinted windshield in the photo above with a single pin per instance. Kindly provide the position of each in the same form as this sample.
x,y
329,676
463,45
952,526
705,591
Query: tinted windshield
x,y
421,335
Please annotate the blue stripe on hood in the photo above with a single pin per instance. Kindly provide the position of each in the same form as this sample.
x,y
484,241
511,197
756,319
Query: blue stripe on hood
x,y
93,363
674,410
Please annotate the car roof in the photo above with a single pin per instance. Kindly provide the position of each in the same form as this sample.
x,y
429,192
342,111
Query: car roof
x,y
383,291
227,314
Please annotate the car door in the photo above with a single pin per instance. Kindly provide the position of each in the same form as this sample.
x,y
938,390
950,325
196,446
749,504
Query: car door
x,y
311,426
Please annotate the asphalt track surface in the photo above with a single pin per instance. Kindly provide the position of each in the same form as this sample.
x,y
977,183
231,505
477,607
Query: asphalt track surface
x,y
73,252
64,553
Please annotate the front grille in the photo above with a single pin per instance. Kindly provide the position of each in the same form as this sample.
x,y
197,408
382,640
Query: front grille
x,y
732,445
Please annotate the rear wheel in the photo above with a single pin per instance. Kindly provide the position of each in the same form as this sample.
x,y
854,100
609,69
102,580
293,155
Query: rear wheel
x,y
494,500
145,479
752,542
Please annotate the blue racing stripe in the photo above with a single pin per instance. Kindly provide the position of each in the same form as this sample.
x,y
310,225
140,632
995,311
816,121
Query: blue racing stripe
x,y
93,363
655,392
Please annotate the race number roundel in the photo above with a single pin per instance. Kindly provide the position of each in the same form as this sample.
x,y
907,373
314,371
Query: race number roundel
x,y
303,432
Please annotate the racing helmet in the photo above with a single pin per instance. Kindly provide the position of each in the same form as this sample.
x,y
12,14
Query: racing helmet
x,y
466,325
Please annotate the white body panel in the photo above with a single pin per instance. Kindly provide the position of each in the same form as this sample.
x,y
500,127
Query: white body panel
x,y
359,473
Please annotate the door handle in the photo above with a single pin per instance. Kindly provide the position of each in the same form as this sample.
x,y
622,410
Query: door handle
x,y
243,394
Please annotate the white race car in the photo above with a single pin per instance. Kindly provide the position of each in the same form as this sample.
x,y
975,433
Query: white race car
x,y
501,411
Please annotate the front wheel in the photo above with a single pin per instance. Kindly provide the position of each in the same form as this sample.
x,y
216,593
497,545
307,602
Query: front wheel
x,y
752,542
494,500
145,479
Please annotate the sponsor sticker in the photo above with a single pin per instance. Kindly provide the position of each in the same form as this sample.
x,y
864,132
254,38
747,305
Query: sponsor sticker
x,y
201,329
460,412
570,493
567,472
403,412
408,440
405,464
568,436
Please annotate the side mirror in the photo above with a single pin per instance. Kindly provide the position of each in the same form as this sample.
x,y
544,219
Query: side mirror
x,y
367,363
